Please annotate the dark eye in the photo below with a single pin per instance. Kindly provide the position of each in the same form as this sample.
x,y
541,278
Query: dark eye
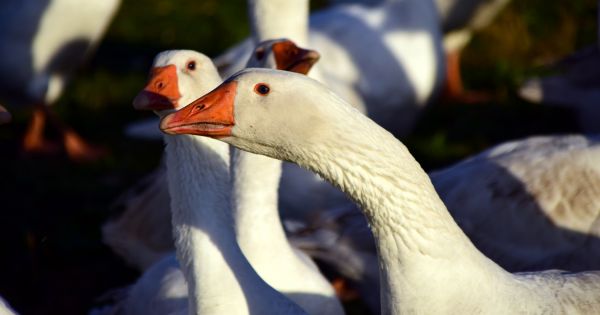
x,y
260,54
262,89
191,65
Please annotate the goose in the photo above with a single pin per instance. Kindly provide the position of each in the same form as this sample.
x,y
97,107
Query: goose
x,y
575,87
396,43
256,213
41,44
427,264
220,279
291,272
459,20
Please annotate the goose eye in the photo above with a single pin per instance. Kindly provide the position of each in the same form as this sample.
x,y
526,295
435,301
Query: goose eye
x,y
262,89
191,65
260,54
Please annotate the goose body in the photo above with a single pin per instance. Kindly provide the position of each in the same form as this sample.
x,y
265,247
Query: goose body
x,y
41,44
427,264
396,43
544,188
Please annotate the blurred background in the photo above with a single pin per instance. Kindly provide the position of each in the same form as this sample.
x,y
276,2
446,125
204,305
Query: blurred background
x,y
52,258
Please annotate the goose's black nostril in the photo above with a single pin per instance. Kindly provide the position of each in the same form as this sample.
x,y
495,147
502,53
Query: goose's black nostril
x,y
200,107
160,85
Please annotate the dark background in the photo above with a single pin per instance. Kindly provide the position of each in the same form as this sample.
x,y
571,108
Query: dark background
x,y
51,209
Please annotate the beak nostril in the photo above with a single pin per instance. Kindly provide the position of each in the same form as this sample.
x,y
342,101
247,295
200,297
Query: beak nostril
x,y
200,107
160,85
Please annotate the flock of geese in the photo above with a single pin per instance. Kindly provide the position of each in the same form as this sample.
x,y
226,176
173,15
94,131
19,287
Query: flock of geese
x,y
206,232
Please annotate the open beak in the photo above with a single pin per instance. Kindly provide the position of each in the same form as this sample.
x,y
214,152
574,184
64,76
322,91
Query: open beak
x,y
211,115
292,58
161,92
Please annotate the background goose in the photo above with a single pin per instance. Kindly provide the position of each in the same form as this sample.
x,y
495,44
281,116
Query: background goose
x,y
396,43
575,87
459,20
530,204
426,263
41,44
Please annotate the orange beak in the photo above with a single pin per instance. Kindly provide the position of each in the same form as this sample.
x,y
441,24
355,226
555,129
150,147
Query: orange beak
x,y
211,115
292,58
161,91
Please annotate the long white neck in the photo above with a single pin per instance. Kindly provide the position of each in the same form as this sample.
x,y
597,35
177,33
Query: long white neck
x,y
272,19
255,182
220,279
423,254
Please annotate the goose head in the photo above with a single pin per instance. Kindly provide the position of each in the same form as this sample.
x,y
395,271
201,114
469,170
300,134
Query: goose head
x,y
262,111
177,77
282,54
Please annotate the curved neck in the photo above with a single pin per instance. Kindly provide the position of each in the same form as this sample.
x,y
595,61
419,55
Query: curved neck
x,y
255,183
418,242
271,19
220,279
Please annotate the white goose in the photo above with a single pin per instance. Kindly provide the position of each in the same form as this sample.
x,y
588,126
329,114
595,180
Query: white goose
x,y
257,225
427,263
397,43
220,279
41,44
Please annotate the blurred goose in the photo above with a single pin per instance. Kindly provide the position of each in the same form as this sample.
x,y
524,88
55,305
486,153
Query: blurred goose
x,y
427,264
220,279
41,44
460,19
396,43
257,225
575,87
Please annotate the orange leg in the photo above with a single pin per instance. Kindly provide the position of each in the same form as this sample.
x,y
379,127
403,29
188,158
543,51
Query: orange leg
x,y
78,149
454,90
34,141
343,290
454,85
